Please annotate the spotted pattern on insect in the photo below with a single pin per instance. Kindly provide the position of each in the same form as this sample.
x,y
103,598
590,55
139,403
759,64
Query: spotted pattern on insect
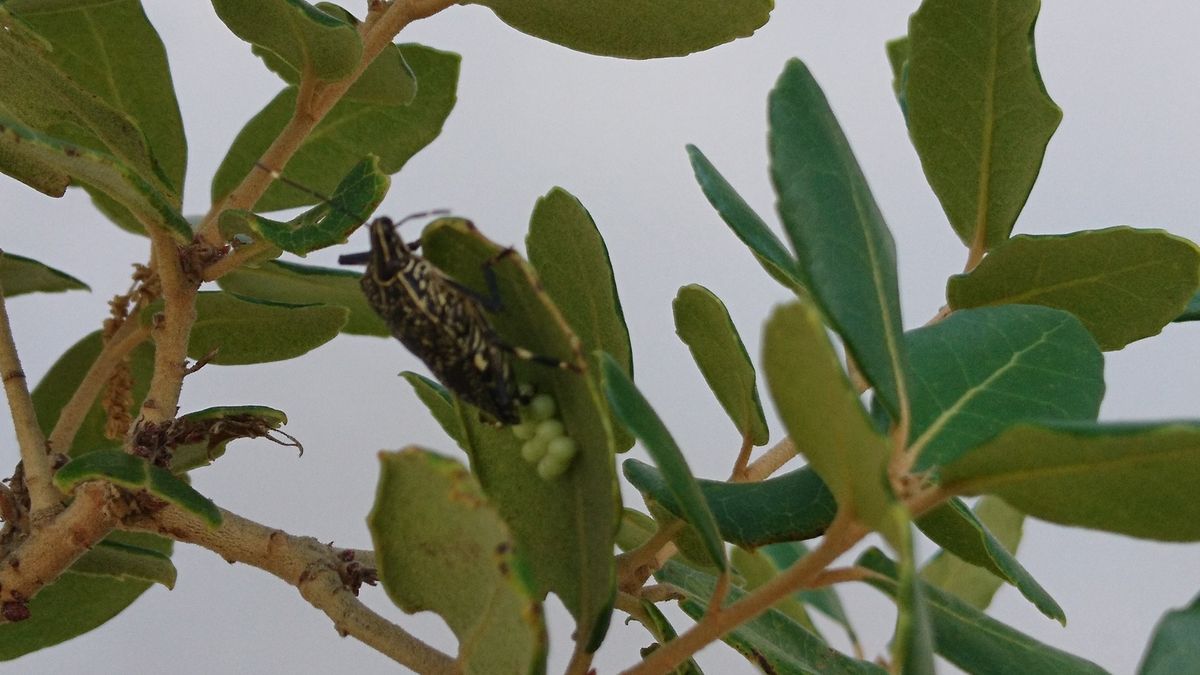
x,y
440,322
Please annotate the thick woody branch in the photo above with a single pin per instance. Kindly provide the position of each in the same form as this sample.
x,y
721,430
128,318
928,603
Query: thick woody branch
x,y
44,498
307,564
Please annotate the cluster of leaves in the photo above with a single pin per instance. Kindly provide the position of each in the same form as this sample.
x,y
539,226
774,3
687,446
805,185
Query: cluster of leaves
x,y
999,398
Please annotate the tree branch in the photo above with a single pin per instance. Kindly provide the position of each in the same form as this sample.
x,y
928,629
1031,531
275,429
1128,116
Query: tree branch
x,y
44,498
307,564
171,334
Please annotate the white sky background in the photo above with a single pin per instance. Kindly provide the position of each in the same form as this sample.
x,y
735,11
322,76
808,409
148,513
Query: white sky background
x,y
532,115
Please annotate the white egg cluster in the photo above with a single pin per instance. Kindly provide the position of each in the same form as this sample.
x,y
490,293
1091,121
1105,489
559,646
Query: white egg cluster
x,y
546,443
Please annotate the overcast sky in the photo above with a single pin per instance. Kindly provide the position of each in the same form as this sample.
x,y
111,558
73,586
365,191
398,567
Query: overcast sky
x,y
531,116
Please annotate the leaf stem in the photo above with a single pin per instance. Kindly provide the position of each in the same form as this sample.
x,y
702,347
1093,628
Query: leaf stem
x,y
307,564
841,535
771,460
44,498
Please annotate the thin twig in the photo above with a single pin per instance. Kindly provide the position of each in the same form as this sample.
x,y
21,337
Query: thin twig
x,y
171,334
307,564
771,460
44,498
739,472
842,534
70,418
634,567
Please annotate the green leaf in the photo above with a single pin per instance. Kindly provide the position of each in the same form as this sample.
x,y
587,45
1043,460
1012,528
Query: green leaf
x,y
639,29
59,383
825,600
441,547
971,639
703,323
565,526
912,646
772,640
1125,284
635,412
823,415
898,51
756,569
112,50
1192,311
1000,528
664,632
388,80
635,529
967,540
745,223
326,224
97,170
978,113
1174,647
1134,479
980,371
305,38
76,603
209,431
353,129
135,473
115,560
566,249
36,95
244,330
441,406
846,254
295,284
20,275
796,505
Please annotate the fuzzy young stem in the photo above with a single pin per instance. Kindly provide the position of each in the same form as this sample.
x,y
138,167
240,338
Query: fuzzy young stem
x,y
171,334
128,336
842,534
307,564
771,460
740,472
44,498
50,550
377,33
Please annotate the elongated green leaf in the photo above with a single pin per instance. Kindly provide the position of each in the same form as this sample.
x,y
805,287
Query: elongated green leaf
x,y
565,526
637,29
441,406
846,254
1192,311
37,95
77,603
635,412
441,547
302,36
745,223
664,632
898,51
980,371
956,529
95,169
1134,479
352,130
823,415
115,560
978,113
974,641
703,323
825,600
566,249
135,473
326,224
236,331
20,275
771,640
207,432
912,646
1175,647
794,506
60,382
295,284
1125,284
110,49
756,569
970,582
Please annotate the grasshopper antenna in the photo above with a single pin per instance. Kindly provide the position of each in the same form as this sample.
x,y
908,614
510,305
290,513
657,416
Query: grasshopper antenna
x,y
306,190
